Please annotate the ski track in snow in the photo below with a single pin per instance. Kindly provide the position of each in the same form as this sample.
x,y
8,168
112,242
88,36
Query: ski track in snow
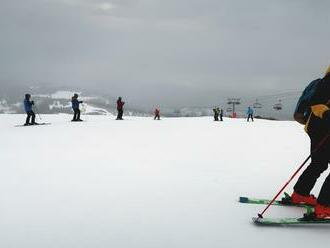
x,y
145,183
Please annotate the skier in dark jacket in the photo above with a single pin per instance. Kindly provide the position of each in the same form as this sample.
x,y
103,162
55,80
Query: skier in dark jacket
x,y
157,114
221,114
318,128
75,106
216,114
29,111
120,108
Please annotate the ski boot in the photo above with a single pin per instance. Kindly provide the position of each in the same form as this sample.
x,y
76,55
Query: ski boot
x,y
296,199
301,199
322,211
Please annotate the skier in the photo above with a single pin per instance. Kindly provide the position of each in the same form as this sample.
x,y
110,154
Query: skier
x,y
157,114
29,111
75,106
249,113
120,108
216,114
317,127
220,110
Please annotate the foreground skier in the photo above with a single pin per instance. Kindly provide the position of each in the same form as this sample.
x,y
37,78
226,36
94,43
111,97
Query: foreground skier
x,y
317,127
313,111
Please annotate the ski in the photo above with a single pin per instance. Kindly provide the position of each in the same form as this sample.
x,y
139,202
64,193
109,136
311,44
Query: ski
x,y
249,200
39,124
288,221
286,201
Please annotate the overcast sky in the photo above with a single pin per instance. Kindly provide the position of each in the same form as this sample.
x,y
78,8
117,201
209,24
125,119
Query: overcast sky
x,y
173,52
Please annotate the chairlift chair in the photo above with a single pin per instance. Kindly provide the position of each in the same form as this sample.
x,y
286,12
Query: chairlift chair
x,y
278,106
257,105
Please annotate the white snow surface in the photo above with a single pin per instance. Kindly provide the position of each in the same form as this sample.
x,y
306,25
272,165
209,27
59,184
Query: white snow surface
x,y
144,183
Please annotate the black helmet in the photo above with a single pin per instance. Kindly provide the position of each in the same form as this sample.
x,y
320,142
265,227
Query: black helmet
x,y
75,95
27,96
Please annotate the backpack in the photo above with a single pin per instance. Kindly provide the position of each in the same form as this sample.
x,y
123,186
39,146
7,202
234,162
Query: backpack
x,y
303,108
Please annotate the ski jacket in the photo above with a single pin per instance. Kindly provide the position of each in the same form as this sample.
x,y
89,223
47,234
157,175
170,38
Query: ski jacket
x,y
157,111
249,111
28,105
75,103
318,124
303,109
120,105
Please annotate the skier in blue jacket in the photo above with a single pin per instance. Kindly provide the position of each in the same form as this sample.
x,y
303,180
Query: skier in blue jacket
x,y
75,106
29,111
249,113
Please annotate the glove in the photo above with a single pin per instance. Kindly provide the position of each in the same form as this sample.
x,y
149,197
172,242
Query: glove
x,y
32,102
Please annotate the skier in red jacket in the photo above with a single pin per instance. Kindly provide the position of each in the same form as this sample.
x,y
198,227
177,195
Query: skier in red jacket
x,y
157,114
120,108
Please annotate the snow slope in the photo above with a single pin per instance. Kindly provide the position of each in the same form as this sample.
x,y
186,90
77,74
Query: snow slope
x,y
144,183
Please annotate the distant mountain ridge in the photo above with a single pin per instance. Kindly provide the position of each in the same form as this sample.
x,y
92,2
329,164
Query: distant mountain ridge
x,y
51,100
56,99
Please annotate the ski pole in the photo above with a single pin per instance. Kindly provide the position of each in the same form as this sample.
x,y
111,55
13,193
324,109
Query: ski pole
x,y
84,110
260,215
37,111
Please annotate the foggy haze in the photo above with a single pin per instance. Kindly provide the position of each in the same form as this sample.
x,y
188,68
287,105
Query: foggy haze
x,y
173,52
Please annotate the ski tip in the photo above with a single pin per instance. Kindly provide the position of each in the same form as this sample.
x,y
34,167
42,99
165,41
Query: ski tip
x,y
243,199
258,221
255,220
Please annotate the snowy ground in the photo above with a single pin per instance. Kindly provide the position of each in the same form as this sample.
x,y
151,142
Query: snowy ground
x,y
149,184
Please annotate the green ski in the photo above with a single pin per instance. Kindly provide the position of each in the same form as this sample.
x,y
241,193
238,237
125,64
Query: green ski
x,y
286,201
308,219
249,200
289,221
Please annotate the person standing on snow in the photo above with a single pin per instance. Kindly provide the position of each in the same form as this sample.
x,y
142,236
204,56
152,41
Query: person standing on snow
x,y
317,128
249,113
157,114
220,110
120,108
75,106
216,114
29,111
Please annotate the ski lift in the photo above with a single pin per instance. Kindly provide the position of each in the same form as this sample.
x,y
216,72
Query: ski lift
x,y
278,106
257,105
229,110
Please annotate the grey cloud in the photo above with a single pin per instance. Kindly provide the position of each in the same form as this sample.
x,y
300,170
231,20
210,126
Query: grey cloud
x,y
187,51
